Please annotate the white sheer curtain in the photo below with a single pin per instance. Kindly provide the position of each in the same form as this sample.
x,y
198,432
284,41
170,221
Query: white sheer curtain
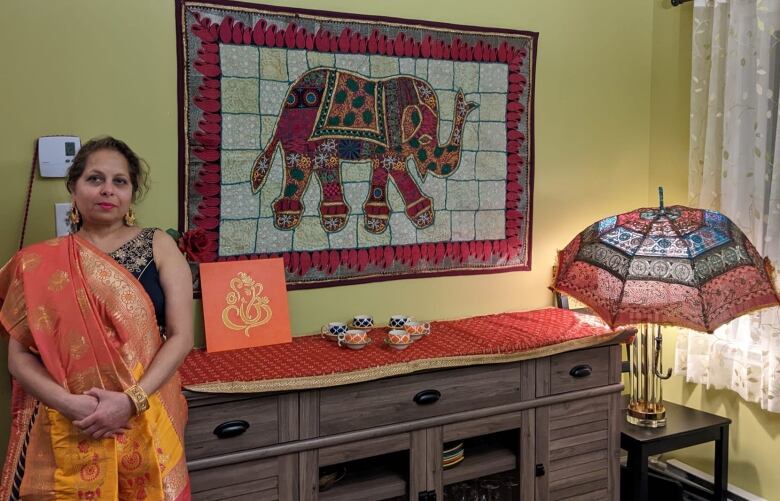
x,y
734,143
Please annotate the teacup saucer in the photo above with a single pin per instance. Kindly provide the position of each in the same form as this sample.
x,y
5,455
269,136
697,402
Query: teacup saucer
x,y
330,337
356,346
415,337
355,327
397,346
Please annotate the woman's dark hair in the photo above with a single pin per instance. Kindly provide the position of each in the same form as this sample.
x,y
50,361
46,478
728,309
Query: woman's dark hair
x,y
137,167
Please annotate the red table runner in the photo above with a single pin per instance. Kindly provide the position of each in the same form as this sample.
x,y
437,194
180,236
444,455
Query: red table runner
x,y
314,362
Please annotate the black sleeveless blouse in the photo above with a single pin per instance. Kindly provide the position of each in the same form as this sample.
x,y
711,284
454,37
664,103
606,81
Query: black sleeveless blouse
x,y
137,257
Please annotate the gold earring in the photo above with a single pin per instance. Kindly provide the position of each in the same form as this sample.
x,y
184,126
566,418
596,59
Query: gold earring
x,y
130,217
74,216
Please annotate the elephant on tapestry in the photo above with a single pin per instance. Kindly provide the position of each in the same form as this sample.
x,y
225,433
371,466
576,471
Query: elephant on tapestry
x,y
332,116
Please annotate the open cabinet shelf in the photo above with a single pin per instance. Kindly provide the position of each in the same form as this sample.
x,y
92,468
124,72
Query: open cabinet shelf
x,y
480,464
485,455
375,478
372,485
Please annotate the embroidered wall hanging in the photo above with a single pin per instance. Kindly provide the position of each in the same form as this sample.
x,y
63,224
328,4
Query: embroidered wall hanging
x,y
355,148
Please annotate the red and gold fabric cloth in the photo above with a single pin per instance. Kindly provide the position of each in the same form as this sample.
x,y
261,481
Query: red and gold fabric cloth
x,y
93,325
314,362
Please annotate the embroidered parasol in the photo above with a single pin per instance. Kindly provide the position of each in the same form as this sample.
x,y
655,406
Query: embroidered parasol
x,y
668,266
663,266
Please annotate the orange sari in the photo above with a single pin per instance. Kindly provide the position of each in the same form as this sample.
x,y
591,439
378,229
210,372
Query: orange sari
x,y
93,325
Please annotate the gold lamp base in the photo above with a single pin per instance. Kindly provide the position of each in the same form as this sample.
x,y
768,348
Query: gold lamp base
x,y
645,406
647,415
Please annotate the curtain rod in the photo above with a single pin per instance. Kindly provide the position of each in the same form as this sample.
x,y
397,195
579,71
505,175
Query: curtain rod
x,y
675,3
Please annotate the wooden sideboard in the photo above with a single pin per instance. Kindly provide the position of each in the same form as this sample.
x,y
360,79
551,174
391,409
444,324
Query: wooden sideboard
x,y
553,422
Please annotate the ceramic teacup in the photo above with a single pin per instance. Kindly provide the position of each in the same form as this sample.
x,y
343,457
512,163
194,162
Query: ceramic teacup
x,y
398,336
397,321
398,339
363,321
417,329
354,339
333,329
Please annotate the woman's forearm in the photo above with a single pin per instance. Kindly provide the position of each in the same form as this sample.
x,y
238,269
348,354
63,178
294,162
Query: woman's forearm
x,y
168,359
28,370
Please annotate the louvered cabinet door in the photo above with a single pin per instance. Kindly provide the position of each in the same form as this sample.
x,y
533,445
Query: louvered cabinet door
x,y
577,450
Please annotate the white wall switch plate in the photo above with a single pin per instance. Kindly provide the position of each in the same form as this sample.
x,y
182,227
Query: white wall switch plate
x,y
61,218
55,154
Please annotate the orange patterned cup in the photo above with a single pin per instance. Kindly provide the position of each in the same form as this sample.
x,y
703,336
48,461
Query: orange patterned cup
x,y
397,336
353,337
417,329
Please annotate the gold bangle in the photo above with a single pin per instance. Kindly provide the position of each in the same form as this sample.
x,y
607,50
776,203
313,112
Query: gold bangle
x,y
139,398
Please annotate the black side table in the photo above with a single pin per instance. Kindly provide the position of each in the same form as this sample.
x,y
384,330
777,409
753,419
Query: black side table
x,y
684,427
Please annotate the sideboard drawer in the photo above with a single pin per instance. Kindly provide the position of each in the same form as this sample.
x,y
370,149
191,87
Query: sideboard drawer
x,y
388,401
252,480
260,414
577,370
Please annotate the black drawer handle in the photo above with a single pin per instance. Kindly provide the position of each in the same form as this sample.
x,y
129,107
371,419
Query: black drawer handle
x,y
230,429
580,371
427,397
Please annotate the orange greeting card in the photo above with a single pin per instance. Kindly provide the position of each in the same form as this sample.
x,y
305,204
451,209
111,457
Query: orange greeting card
x,y
244,304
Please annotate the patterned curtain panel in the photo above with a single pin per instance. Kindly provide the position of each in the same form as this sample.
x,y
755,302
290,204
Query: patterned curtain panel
x,y
734,131
355,148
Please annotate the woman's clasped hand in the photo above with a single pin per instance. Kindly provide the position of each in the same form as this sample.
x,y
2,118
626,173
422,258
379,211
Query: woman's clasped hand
x,y
110,415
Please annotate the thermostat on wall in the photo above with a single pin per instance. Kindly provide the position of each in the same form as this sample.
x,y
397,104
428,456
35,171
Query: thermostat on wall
x,y
55,154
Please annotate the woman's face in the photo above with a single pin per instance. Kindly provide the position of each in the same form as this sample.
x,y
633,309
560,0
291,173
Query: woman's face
x,y
103,193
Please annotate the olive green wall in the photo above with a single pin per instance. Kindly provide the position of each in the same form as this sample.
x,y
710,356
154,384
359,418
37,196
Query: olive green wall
x,y
670,102
611,125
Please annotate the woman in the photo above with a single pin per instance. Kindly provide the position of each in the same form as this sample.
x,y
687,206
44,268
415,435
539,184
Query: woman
x,y
97,409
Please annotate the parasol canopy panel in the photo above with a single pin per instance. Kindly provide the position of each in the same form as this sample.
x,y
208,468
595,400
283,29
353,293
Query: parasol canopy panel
x,y
666,265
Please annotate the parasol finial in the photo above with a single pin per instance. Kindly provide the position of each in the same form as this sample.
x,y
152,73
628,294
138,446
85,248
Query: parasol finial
x,y
661,197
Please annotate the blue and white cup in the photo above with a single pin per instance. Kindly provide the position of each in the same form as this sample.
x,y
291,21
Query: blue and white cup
x,y
397,321
363,321
333,329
